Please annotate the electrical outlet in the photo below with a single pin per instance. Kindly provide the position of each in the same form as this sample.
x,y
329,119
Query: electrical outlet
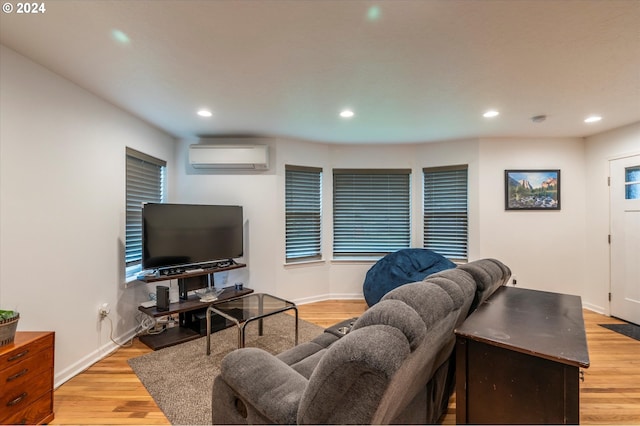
x,y
514,280
103,310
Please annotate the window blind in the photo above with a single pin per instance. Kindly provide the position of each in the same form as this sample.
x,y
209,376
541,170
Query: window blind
x,y
445,211
303,207
371,211
145,184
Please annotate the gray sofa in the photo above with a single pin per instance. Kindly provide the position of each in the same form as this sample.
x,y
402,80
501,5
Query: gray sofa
x,y
394,365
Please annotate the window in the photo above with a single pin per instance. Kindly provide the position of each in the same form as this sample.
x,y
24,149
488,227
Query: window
x,y
632,183
303,206
371,211
145,184
445,211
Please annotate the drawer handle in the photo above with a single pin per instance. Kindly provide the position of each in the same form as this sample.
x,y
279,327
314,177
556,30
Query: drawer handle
x,y
18,356
17,400
17,375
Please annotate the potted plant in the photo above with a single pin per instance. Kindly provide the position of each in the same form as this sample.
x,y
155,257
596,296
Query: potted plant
x,y
8,326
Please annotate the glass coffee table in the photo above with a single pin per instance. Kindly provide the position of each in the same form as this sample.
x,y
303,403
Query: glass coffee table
x,y
248,308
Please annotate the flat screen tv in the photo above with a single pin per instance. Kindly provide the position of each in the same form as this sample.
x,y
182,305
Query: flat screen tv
x,y
184,235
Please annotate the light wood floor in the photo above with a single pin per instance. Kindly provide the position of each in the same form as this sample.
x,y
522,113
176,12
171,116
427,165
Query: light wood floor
x,y
110,393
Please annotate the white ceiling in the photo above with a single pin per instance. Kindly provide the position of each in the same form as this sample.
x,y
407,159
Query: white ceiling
x,y
411,70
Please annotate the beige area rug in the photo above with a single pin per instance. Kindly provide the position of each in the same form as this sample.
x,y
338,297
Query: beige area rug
x,y
179,378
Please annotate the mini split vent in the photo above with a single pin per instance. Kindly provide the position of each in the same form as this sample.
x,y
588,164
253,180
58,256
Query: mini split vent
x,y
239,157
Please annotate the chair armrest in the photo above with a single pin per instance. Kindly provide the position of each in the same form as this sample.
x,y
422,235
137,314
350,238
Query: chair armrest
x,y
264,383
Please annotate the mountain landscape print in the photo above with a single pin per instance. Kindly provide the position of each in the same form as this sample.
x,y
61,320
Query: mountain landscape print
x,y
532,189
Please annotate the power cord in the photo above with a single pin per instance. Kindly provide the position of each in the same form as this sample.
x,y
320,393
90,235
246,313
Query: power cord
x,y
122,345
146,325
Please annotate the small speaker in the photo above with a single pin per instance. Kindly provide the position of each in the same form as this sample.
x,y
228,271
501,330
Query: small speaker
x,y
162,298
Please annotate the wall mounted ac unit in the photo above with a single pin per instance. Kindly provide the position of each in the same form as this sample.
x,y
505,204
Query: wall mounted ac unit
x,y
247,157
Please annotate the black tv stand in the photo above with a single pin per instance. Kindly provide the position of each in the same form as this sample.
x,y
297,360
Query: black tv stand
x,y
187,281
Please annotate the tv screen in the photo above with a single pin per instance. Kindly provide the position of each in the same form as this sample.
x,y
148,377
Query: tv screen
x,y
190,234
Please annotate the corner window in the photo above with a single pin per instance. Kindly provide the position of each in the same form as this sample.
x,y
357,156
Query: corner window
x,y
303,208
145,184
445,211
371,212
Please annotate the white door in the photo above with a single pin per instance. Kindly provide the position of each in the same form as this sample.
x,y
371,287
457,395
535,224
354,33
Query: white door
x,y
625,238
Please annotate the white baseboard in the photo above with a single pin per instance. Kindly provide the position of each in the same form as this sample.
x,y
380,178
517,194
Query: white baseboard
x,y
329,296
595,308
90,359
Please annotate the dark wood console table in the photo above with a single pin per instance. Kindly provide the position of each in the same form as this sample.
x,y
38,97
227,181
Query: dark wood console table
x,y
187,281
518,359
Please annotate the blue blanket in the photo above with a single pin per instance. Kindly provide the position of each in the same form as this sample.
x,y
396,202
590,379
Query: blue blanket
x,y
401,267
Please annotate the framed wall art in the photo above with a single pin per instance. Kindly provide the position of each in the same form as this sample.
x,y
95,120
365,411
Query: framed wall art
x,y
532,189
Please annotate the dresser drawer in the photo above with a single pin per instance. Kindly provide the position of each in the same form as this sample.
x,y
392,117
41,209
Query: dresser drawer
x,y
40,411
16,399
12,357
22,373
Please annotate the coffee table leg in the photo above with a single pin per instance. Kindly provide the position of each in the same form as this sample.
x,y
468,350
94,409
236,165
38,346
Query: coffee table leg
x,y
260,312
241,335
296,311
208,316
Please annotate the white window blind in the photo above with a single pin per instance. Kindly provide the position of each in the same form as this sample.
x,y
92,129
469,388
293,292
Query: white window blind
x,y
145,184
445,211
303,207
371,211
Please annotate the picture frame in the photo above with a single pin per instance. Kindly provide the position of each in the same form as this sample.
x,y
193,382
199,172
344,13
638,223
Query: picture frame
x,y
532,189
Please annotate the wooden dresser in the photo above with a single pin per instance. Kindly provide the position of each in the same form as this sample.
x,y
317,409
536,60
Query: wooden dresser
x,y
26,379
518,359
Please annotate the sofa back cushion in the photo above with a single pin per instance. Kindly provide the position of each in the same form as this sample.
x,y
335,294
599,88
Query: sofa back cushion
x,y
350,379
489,274
460,286
397,314
430,301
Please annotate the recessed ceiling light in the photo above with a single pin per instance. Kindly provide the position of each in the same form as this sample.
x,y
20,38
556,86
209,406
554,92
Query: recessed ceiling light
x,y
347,113
592,119
205,113
491,113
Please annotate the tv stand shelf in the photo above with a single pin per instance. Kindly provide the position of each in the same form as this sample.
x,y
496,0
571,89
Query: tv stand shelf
x,y
182,333
204,271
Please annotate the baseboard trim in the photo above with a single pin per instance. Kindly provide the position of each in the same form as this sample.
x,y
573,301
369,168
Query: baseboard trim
x,y
595,308
90,359
330,296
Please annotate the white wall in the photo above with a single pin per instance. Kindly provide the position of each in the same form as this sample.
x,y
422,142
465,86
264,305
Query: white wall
x,y
62,209
600,149
544,249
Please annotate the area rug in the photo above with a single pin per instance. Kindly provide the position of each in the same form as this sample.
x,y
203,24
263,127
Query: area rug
x,y
179,378
630,330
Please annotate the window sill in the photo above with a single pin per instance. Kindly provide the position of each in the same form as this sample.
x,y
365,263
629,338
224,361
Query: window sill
x,y
303,263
